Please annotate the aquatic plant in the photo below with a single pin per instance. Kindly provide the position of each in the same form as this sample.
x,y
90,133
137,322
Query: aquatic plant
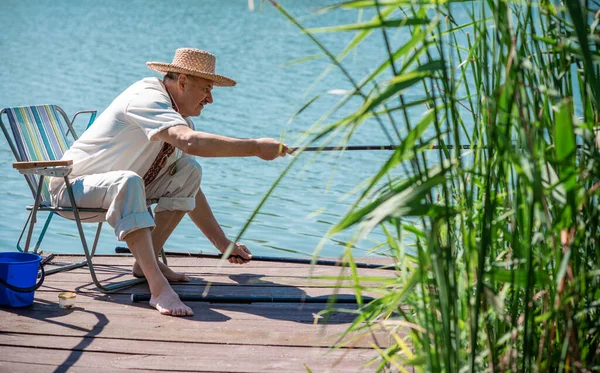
x,y
497,246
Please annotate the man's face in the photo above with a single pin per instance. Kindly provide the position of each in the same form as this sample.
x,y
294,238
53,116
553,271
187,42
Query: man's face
x,y
195,93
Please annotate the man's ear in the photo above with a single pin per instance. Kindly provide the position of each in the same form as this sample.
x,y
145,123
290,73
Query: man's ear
x,y
182,80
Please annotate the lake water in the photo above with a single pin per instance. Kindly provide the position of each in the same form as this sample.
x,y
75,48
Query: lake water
x,y
80,54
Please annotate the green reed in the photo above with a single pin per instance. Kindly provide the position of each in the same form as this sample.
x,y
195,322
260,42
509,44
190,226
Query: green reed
x,y
497,249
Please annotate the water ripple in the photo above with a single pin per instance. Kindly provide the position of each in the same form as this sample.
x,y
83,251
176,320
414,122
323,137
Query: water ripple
x,y
81,54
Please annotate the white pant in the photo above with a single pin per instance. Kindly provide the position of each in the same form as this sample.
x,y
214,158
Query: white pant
x,y
123,195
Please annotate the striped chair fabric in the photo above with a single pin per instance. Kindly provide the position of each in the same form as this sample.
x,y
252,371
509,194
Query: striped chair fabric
x,y
39,135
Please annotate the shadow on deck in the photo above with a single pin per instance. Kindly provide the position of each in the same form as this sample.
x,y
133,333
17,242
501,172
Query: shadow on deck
x,y
112,333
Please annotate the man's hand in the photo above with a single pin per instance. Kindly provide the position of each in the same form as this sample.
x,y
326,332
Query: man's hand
x,y
269,149
239,255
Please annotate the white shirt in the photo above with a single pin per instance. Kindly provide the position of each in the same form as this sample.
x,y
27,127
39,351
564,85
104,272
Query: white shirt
x,y
124,137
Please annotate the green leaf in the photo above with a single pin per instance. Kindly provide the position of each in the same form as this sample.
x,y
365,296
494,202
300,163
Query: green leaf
x,y
358,38
564,132
406,202
355,4
551,181
414,230
376,23
516,276
543,317
460,27
562,270
581,30
304,107
305,59
402,82
404,151
547,4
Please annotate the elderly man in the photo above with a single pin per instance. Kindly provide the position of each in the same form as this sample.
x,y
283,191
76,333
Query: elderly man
x,y
142,147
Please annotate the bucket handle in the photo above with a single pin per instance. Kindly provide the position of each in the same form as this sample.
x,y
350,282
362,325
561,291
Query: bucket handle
x,y
29,289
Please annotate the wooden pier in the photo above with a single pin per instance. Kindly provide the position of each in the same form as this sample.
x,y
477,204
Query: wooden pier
x,y
110,333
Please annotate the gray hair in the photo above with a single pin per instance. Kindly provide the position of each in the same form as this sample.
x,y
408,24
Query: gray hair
x,y
171,76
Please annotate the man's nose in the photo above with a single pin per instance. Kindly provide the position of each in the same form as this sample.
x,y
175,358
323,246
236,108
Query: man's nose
x,y
209,98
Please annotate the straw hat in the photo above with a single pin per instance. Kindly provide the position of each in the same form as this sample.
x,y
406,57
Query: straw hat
x,y
194,62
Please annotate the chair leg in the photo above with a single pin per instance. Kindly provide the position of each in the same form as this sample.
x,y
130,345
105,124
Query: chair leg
x,y
40,237
96,238
69,267
33,218
43,232
163,256
103,288
48,272
23,232
38,198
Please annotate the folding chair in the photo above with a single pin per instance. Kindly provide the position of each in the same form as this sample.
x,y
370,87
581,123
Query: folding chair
x,y
38,141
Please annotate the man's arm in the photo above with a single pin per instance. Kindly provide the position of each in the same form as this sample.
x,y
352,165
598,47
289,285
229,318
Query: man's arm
x,y
204,219
209,145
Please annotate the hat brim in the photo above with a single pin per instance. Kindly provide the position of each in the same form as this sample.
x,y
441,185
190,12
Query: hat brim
x,y
218,80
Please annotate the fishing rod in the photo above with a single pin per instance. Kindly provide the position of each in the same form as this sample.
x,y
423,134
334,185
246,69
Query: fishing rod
x,y
257,258
362,147
386,147
346,299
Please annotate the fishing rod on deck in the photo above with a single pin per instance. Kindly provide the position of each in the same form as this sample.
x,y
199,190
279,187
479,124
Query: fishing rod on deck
x,y
237,299
340,298
275,259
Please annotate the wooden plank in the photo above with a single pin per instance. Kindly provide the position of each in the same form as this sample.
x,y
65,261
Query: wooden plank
x,y
243,276
166,356
232,269
112,332
119,305
236,268
49,363
242,283
118,258
127,260
211,289
44,367
212,326
273,324
238,279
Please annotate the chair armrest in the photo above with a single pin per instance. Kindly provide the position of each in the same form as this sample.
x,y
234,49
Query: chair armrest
x,y
92,116
37,164
45,168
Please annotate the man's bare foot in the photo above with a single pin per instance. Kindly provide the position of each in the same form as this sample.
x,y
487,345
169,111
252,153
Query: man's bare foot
x,y
168,303
171,275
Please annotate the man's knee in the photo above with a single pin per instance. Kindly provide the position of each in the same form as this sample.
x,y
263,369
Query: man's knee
x,y
176,190
193,170
131,180
130,189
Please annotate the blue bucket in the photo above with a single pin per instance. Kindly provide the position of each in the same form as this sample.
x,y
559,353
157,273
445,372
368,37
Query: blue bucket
x,y
18,278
